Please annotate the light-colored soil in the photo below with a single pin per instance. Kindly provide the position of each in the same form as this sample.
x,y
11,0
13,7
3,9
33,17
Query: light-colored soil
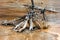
x,y
9,13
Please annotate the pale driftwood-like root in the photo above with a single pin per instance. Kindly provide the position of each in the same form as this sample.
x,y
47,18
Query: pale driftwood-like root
x,y
31,24
5,22
25,25
18,26
22,22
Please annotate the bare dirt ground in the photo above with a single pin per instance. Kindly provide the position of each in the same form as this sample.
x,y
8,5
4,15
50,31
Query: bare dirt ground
x,y
9,13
